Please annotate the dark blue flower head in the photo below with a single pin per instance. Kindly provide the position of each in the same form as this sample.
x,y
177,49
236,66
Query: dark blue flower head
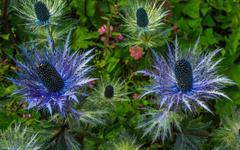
x,y
109,91
42,12
142,17
183,74
50,79
187,79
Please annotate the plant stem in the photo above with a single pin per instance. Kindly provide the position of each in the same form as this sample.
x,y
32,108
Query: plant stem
x,y
51,37
60,131
7,27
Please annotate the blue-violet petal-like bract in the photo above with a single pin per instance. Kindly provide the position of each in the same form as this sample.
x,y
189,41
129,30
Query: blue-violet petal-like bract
x,y
51,78
186,80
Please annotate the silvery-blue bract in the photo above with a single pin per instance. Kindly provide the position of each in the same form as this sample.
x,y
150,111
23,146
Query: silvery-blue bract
x,y
51,78
186,80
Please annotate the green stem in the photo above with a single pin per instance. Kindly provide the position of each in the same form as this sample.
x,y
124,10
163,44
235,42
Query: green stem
x,y
60,131
51,37
7,27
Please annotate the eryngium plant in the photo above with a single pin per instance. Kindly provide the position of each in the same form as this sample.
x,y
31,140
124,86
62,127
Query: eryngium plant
x,y
51,79
108,92
144,16
184,81
227,137
144,24
159,123
40,13
18,138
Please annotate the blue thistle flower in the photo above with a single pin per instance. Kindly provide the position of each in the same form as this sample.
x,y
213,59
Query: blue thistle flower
x,y
38,13
144,24
144,17
186,80
50,79
108,91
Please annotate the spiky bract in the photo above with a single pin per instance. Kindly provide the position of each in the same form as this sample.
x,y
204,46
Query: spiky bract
x,y
159,123
18,138
126,142
228,135
186,80
51,78
57,33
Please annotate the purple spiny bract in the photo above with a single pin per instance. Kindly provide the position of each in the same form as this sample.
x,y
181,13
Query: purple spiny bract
x,y
50,79
186,80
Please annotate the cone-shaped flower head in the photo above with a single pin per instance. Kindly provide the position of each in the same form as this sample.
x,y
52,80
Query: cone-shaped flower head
x,y
41,11
38,13
142,17
49,79
109,91
183,75
49,76
187,79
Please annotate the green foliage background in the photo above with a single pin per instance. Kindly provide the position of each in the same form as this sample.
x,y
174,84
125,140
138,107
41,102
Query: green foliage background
x,y
217,22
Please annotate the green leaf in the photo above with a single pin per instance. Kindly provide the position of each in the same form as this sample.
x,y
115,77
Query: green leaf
x,y
208,37
192,8
5,120
224,108
82,38
5,36
112,64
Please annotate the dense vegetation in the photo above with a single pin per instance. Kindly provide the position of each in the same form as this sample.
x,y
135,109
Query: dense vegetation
x,y
112,109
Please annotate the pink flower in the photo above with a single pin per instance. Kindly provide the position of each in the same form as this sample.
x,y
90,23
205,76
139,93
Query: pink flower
x,y
29,116
102,38
136,52
103,29
119,37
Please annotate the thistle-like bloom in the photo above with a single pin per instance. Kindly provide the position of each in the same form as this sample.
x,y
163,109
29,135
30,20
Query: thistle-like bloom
x,y
144,23
50,79
108,92
159,123
186,80
19,139
228,135
40,13
144,16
